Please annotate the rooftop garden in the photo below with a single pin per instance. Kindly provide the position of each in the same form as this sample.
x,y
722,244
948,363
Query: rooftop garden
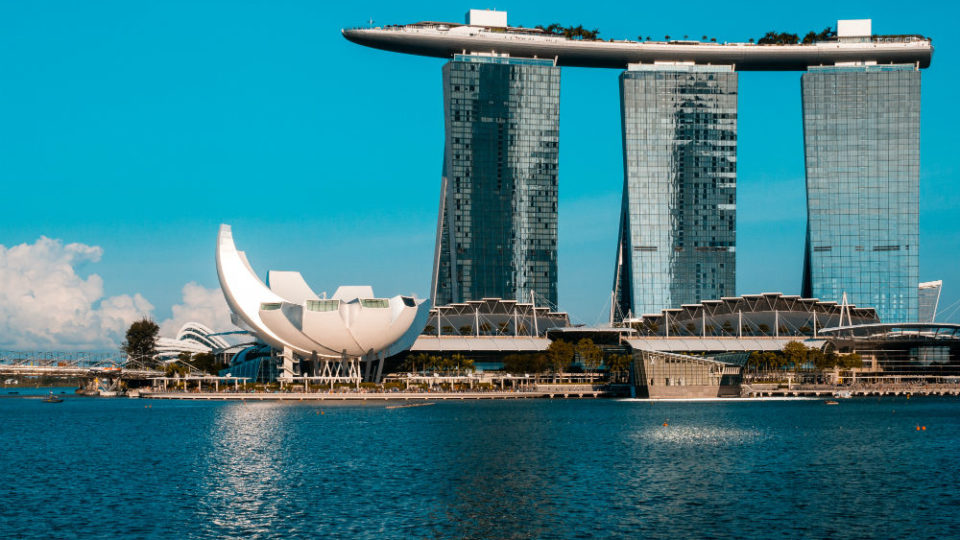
x,y
570,32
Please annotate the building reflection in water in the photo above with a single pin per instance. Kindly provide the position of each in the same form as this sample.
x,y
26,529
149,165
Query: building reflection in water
x,y
244,469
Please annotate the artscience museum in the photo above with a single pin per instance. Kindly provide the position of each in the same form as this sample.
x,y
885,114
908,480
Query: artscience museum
x,y
311,337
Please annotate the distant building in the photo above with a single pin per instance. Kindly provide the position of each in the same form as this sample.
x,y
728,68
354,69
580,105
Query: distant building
x,y
891,350
497,230
768,315
678,218
664,375
928,294
192,338
493,317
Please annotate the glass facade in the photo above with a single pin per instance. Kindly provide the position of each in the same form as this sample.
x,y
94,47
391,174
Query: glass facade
x,y
677,236
861,131
497,230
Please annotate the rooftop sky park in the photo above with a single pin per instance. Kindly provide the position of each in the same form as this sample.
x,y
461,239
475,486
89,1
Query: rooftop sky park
x,y
487,32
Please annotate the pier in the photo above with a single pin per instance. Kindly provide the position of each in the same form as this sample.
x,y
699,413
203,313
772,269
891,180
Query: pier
x,y
857,390
374,396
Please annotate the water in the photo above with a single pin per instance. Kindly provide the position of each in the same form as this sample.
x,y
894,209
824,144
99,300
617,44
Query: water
x,y
127,468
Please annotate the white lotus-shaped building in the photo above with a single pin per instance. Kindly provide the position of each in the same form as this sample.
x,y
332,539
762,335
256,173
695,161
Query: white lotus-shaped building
x,y
287,315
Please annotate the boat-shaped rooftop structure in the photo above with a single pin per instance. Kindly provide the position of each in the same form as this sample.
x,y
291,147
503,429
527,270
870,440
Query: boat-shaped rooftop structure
x,y
445,40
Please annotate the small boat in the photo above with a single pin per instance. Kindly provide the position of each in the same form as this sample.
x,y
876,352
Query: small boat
x,y
831,402
843,394
52,399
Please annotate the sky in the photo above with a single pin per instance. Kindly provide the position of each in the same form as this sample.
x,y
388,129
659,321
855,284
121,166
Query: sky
x,y
130,130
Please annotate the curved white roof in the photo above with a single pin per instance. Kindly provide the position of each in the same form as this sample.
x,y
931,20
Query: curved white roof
x,y
288,314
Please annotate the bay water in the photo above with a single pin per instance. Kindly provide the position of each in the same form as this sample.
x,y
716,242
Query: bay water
x,y
136,468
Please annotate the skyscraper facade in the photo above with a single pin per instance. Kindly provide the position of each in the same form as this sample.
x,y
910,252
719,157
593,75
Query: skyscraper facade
x,y
861,131
677,236
497,229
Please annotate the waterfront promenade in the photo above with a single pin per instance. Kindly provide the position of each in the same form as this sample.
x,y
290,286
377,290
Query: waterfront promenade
x,y
553,391
854,390
558,392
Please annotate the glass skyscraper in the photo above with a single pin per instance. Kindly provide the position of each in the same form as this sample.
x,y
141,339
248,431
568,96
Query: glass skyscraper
x,y
678,218
497,229
861,131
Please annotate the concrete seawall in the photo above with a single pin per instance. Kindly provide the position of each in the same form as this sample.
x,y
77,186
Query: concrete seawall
x,y
372,396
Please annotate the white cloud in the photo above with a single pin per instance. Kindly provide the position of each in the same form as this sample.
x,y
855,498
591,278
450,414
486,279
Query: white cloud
x,y
45,304
202,305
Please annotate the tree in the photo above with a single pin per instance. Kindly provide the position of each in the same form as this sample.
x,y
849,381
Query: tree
x,y
411,362
559,355
618,363
461,362
795,353
205,362
852,360
141,343
525,363
589,353
781,38
819,360
774,360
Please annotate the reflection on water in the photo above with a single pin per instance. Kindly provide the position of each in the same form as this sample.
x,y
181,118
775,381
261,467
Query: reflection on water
x,y
532,469
698,435
243,470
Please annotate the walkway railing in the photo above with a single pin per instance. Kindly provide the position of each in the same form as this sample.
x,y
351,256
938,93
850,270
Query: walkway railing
x,y
74,359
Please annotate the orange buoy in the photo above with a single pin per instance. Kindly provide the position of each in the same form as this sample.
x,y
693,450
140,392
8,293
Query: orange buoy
x,y
918,428
665,424
923,428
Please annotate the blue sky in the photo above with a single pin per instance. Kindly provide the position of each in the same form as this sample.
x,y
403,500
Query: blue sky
x,y
139,127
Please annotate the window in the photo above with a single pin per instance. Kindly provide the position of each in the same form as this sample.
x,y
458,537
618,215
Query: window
x,y
323,305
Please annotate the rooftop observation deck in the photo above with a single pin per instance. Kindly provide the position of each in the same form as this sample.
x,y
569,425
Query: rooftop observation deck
x,y
444,40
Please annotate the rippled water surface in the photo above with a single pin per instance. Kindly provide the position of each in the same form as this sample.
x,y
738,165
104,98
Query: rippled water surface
x,y
532,469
